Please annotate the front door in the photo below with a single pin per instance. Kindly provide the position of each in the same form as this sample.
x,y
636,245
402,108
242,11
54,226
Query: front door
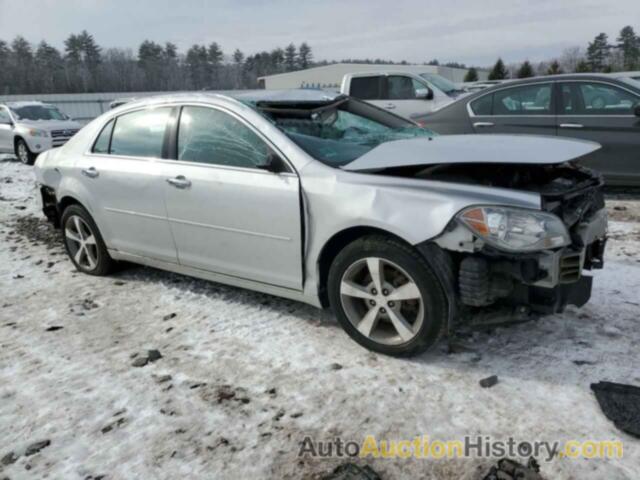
x,y
521,109
227,215
123,180
603,113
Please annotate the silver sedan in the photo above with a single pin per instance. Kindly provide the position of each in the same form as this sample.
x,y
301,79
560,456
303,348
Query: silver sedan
x,y
325,199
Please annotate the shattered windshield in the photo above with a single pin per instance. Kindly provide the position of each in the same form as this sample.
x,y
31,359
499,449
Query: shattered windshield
x,y
38,112
338,134
440,82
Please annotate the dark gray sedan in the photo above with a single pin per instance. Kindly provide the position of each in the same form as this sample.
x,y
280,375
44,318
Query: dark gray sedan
x,y
601,108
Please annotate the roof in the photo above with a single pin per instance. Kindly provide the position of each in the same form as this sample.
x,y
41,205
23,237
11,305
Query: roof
x,y
252,96
551,78
22,104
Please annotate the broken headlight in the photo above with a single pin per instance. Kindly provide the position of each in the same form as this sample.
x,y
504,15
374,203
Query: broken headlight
x,y
516,229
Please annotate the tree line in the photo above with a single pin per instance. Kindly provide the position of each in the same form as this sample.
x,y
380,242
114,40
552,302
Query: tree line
x,y
600,56
84,67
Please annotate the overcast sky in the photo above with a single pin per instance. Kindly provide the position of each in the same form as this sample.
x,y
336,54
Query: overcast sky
x,y
473,32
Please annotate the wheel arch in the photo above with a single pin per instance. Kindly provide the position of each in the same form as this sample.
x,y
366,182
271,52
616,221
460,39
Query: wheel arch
x,y
334,246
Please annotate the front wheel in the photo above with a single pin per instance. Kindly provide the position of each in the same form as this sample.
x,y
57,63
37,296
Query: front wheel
x,y
386,296
23,153
83,242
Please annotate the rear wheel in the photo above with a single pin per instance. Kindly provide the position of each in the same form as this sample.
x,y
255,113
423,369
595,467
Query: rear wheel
x,y
387,297
83,242
23,153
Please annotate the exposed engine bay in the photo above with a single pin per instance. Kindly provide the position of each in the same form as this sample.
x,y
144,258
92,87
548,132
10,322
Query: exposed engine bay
x,y
521,283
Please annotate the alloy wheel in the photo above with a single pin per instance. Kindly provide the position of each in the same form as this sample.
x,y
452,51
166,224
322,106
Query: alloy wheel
x,y
81,242
382,301
23,153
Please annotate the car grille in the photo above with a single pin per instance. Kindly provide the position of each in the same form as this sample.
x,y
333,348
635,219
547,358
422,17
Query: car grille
x,y
60,137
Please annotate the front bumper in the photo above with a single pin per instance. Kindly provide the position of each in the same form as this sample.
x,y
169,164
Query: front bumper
x,y
490,282
55,139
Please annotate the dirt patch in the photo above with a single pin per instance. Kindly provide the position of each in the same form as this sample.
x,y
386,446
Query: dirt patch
x,y
624,210
36,230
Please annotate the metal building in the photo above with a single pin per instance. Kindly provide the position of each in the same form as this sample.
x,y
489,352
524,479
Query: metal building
x,y
82,107
330,76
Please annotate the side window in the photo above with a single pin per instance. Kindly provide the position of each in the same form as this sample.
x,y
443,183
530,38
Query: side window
x,y
482,106
584,98
207,135
400,88
102,142
526,100
140,134
366,88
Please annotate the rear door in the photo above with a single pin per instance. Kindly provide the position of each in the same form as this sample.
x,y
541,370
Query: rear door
x,y
370,88
397,93
227,215
519,109
124,183
603,113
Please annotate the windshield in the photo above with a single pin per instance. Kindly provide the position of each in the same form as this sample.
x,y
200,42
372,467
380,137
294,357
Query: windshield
x,y
338,134
38,112
440,82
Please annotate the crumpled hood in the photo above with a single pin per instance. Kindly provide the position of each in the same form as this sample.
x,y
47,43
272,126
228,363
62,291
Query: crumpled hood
x,y
50,124
449,149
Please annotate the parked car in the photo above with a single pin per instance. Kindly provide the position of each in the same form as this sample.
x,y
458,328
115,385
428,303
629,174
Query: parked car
x,y
30,128
332,201
601,108
406,94
629,75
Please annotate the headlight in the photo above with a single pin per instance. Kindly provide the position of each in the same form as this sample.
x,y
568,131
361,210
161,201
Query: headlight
x,y
34,132
516,229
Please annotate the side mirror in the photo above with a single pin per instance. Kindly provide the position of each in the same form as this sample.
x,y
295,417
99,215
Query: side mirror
x,y
636,110
424,94
6,122
272,163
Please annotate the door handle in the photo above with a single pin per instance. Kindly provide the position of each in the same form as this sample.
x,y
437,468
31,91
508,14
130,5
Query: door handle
x,y
179,182
90,172
389,106
483,124
571,125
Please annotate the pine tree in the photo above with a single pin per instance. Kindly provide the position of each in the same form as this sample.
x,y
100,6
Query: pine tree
x,y
583,67
22,64
304,55
290,54
525,70
472,75
597,52
238,57
629,44
499,71
554,68
49,67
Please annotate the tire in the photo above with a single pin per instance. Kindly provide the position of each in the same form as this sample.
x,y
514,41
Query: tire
x,y
83,242
23,153
354,298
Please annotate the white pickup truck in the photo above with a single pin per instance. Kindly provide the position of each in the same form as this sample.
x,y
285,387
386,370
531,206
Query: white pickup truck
x,y
406,94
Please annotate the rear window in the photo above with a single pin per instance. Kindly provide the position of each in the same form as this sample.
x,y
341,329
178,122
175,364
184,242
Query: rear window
x,y
482,106
366,88
102,142
140,134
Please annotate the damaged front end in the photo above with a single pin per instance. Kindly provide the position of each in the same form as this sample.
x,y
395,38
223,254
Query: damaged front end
x,y
509,263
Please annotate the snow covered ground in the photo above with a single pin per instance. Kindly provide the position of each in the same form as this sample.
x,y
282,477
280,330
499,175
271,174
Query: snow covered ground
x,y
251,375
